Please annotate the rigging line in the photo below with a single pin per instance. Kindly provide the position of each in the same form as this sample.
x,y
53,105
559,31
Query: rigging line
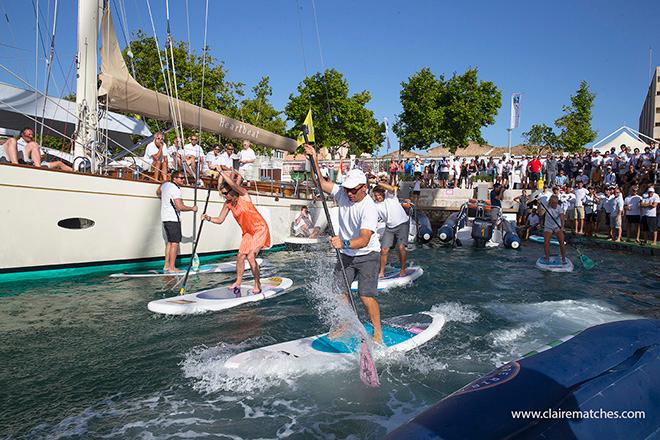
x,y
36,60
176,86
300,32
50,67
204,56
36,91
162,67
318,40
11,31
124,34
43,44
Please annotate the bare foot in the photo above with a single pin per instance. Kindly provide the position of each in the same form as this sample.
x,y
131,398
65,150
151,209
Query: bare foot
x,y
381,275
403,273
378,342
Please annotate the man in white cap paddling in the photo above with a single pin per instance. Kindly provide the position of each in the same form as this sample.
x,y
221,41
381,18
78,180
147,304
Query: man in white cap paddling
x,y
357,240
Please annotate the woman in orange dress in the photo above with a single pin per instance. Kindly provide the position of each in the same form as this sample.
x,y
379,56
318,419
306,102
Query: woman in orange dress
x,y
255,229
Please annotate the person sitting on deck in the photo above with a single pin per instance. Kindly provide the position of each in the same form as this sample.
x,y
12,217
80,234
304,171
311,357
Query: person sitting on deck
x,y
256,234
26,150
175,153
194,156
156,156
246,158
532,224
303,226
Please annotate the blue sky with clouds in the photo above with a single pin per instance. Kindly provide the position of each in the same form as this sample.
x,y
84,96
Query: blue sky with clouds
x,y
541,49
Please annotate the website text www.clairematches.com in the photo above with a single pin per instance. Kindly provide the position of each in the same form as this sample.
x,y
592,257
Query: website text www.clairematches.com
x,y
578,414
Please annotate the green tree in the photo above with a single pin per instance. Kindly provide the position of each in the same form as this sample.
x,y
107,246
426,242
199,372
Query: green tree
x,y
450,112
421,121
339,119
260,112
543,137
575,125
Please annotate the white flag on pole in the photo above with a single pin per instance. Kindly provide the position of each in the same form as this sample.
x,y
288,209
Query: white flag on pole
x,y
515,110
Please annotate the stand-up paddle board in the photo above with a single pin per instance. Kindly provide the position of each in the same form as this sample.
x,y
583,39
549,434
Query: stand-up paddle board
x,y
539,239
219,298
392,279
226,267
301,241
400,334
554,264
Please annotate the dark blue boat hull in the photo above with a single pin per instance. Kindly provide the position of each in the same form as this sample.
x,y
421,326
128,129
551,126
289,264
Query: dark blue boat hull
x,y
609,367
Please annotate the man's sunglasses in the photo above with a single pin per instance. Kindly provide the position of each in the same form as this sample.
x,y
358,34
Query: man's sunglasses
x,y
354,190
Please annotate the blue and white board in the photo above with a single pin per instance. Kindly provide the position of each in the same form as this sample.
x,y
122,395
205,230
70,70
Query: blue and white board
x,y
227,267
539,239
219,298
392,279
400,334
554,264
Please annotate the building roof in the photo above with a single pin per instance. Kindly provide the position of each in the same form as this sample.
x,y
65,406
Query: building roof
x,y
402,153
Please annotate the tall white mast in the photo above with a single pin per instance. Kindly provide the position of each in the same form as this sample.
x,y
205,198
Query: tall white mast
x,y
86,66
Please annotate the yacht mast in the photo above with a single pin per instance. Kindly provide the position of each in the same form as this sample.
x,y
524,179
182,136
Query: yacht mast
x,y
86,88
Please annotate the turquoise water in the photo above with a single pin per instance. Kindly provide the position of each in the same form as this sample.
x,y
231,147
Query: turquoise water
x,y
84,358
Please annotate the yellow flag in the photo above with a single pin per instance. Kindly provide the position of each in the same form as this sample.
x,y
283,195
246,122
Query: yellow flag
x,y
309,123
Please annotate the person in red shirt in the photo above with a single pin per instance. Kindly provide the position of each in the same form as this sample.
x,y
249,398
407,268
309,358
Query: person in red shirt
x,y
535,168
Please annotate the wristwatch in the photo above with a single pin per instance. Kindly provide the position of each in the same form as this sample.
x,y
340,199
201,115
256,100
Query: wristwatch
x,y
347,244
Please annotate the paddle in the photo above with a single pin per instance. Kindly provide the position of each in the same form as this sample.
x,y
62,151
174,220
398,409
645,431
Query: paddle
x,y
182,290
587,263
368,373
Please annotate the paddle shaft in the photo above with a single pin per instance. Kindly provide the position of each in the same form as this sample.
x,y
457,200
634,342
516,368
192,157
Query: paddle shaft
x,y
199,233
316,178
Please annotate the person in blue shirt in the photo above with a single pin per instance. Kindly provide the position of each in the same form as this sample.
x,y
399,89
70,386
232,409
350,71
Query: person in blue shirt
x,y
561,179
408,167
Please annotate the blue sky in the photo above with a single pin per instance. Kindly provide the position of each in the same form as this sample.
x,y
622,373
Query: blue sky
x,y
541,49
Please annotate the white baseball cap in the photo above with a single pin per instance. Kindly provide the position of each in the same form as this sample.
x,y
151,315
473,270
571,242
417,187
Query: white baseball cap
x,y
651,189
354,178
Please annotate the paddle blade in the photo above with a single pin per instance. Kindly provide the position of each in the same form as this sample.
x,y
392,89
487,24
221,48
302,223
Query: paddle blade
x,y
195,262
368,373
586,262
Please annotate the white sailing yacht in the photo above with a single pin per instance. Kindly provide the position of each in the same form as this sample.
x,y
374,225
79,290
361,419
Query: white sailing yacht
x,y
65,223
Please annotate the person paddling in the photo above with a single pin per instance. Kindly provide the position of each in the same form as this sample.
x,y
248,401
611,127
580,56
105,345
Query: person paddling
x,y
397,225
554,224
255,229
357,241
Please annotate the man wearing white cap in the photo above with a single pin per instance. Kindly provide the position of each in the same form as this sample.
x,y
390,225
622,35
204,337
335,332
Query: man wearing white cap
x,y
357,240
649,203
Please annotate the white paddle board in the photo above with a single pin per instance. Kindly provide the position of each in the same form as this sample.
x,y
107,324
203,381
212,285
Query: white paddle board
x,y
554,264
400,334
539,239
227,267
392,279
219,298
299,241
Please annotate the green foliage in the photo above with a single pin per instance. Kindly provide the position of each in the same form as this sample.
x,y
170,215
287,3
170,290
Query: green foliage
x,y
220,95
339,119
542,136
449,112
575,125
260,112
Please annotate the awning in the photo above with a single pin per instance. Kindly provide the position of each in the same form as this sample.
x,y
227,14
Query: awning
x,y
19,107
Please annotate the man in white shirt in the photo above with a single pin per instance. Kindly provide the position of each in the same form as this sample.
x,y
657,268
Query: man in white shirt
x,y
246,158
356,241
580,194
397,226
633,213
225,162
194,155
616,215
156,156
171,204
649,206
175,152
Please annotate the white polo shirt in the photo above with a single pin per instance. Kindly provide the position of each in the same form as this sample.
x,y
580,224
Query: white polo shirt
x,y
356,216
169,192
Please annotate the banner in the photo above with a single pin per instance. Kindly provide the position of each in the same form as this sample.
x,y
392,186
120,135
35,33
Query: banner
x,y
515,110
